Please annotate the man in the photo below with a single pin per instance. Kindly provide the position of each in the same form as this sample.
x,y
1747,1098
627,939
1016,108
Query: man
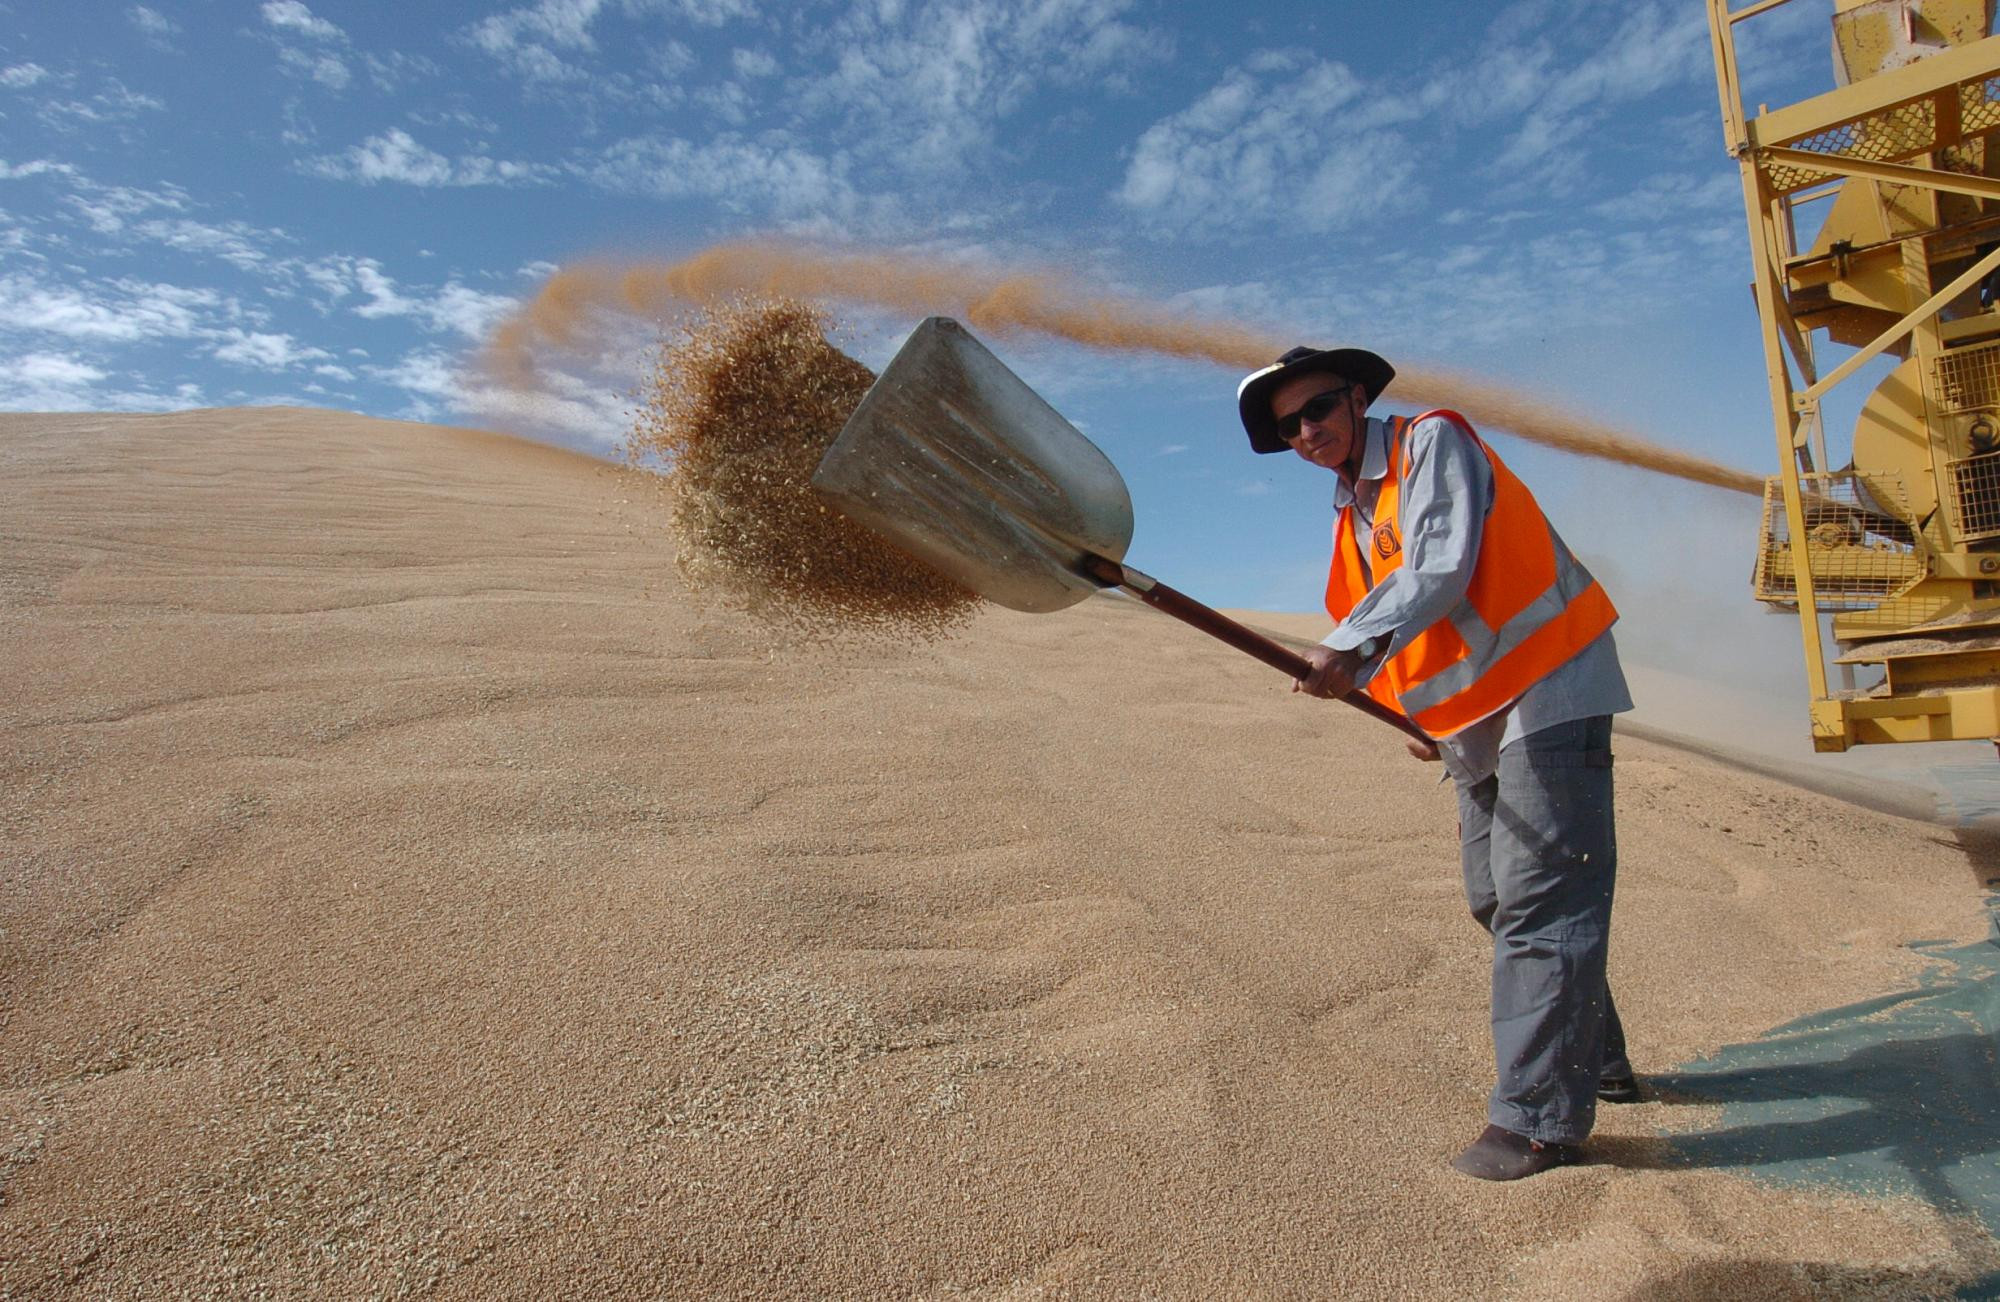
x,y
1455,602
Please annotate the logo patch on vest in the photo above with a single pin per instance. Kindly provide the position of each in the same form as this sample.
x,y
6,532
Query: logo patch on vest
x,y
1387,544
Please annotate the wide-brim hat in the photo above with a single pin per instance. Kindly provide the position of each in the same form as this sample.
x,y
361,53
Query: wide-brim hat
x,y
1360,367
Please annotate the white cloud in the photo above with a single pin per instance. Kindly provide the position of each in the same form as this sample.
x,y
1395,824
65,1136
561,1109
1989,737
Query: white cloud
x,y
1673,198
924,88
292,16
328,70
107,207
155,28
730,102
268,352
532,41
391,71
291,21
1319,157
1335,149
115,212
331,276
753,63
46,381
455,118
39,167
670,62
116,103
706,13
122,311
383,300
152,22
334,372
1655,46
237,243
739,174
396,156
571,407
456,308
526,40
467,312
1572,273
23,75
428,372
49,368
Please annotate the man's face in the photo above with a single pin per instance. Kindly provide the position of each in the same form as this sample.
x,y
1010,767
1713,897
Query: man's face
x,y
1332,440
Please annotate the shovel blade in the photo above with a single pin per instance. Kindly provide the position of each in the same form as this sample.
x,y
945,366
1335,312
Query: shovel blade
x,y
955,460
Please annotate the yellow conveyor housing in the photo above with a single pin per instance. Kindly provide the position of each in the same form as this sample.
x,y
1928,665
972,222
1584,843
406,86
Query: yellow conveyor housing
x,y
1895,555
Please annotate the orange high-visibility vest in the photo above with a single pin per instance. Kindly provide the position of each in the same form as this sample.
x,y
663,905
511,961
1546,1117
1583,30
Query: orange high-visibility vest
x,y
1529,607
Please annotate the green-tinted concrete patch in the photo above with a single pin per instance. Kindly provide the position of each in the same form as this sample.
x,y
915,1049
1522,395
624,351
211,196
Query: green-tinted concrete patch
x,y
1896,1095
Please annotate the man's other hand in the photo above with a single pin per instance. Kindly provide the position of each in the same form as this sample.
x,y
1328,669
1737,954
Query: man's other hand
x,y
1332,673
1427,751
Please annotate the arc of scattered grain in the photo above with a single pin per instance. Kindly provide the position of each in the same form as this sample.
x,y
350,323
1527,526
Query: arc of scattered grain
x,y
1038,301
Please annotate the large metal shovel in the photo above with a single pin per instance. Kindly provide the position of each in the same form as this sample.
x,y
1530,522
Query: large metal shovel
x,y
953,458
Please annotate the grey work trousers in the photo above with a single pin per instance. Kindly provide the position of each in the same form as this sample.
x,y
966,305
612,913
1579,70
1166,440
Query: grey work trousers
x,y
1540,856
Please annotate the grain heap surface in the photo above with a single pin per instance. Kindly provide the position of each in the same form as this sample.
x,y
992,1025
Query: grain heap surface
x,y
741,404
397,900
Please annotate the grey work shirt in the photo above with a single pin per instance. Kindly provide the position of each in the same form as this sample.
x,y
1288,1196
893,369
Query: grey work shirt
x,y
1446,492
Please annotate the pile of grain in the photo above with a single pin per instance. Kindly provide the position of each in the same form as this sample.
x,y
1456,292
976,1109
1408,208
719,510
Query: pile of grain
x,y
743,400
516,935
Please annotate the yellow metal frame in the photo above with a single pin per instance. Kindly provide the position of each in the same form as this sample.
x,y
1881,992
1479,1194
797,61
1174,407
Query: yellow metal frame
x,y
1787,157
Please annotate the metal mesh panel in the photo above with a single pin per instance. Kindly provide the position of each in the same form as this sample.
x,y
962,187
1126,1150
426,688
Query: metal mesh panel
x,y
1975,496
1859,544
1979,106
1966,379
1886,137
1967,158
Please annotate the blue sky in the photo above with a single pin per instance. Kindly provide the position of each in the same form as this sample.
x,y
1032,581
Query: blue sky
x,y
209,203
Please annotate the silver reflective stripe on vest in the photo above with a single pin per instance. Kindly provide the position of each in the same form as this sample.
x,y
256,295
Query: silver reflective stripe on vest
x,y
1485,647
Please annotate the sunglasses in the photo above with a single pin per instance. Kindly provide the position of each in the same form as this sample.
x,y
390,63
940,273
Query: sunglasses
x,y
1316,409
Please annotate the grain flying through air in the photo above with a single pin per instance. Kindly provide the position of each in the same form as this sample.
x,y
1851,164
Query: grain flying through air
x,y
742,401
559,317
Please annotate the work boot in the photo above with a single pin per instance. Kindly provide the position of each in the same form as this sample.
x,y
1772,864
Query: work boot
x,y
1618,1089
1500,1154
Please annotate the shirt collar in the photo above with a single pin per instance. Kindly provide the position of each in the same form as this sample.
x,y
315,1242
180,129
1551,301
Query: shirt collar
x,y
1374,462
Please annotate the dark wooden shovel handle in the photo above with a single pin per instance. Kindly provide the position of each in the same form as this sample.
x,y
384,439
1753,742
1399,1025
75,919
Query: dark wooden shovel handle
x,y
1218,625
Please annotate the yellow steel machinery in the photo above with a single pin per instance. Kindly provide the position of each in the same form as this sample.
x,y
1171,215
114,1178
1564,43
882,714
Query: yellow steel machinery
x,y
1894,177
